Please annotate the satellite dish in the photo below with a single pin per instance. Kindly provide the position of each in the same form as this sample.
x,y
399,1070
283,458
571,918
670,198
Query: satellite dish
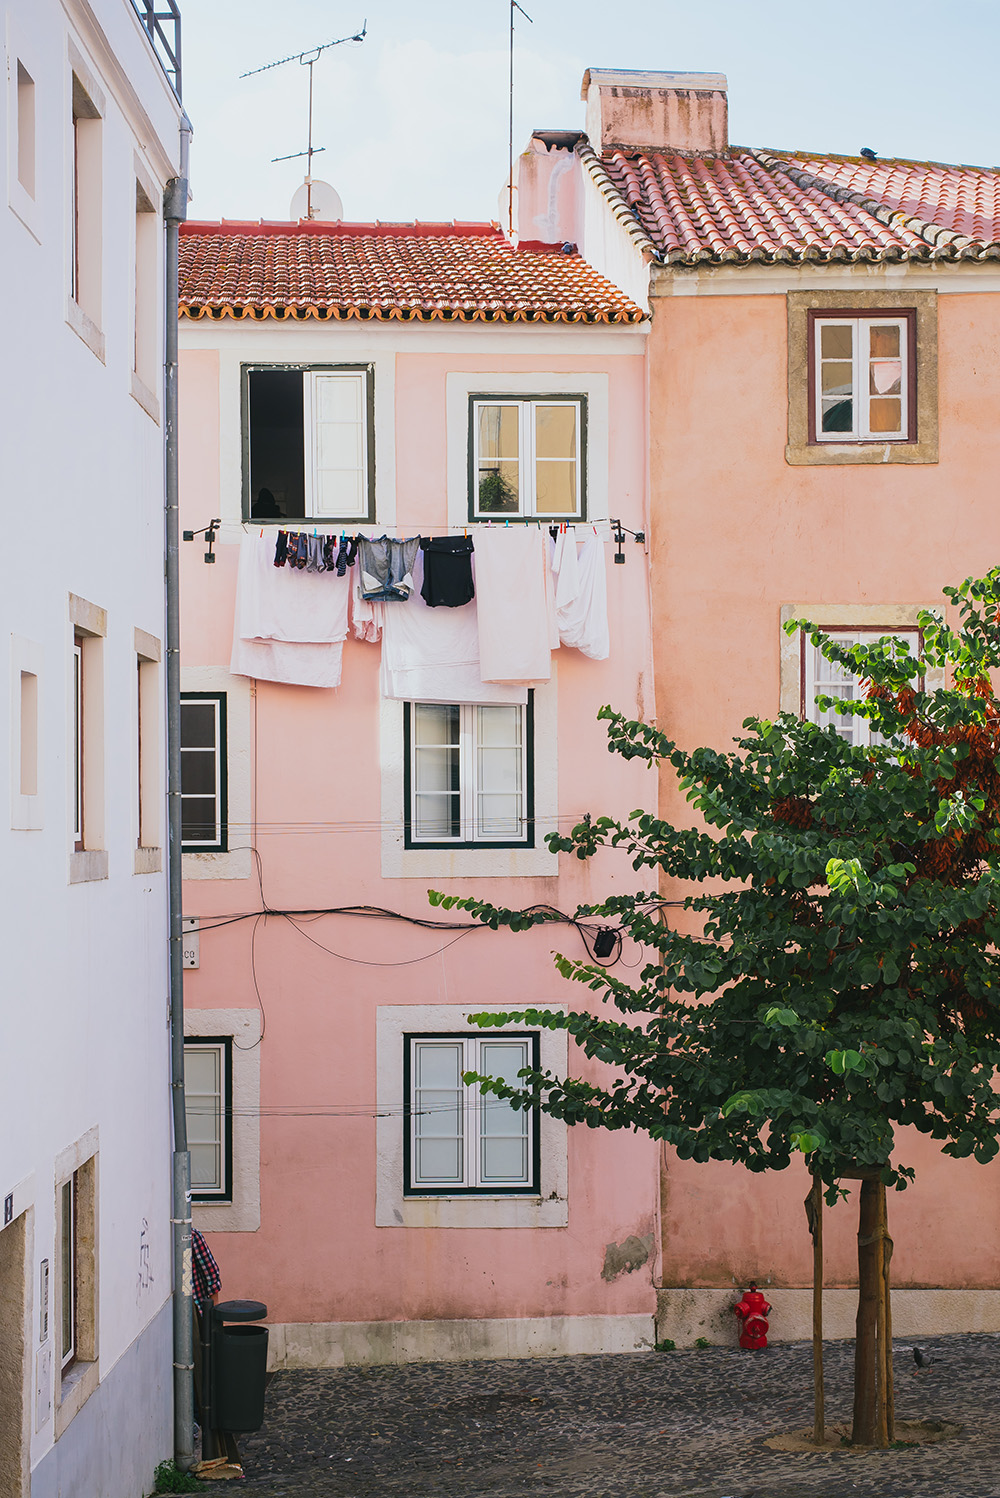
x,y
323,199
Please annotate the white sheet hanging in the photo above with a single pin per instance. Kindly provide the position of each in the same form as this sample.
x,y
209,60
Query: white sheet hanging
x,y
432,655
581,593
289,627
517,628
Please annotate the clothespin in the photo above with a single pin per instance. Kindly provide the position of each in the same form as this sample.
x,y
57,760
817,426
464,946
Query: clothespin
x,y
262,533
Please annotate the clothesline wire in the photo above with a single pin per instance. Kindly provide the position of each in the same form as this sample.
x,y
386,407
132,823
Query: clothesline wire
x,y
326,528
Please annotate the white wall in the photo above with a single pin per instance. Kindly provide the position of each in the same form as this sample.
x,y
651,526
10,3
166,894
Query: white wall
x,y
83,967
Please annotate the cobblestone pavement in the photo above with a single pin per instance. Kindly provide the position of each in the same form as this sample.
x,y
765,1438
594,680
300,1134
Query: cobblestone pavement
x,y
643,1425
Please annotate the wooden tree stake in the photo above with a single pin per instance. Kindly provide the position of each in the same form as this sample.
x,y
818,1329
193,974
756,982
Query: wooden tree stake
x,y
814,1215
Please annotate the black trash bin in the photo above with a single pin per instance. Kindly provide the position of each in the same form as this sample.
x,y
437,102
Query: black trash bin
x,y
239,1366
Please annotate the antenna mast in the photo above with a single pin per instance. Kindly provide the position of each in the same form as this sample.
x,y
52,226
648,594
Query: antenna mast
x,y
308,59
510,120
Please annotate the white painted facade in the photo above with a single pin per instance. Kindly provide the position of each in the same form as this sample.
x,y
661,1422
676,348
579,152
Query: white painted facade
x,y
90,135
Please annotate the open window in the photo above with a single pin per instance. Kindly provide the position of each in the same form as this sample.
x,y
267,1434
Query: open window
x,y
308,448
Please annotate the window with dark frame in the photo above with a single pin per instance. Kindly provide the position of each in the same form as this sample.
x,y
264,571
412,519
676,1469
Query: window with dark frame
x,y
208,1102
308,442
821,677
862,375
203,772
527,457
458,1142
468,774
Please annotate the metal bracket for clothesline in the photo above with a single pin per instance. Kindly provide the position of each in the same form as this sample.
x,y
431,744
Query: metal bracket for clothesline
x,y
210,532
619,532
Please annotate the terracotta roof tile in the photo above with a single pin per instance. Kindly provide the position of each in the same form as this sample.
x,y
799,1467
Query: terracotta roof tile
x,y
753,205
455,272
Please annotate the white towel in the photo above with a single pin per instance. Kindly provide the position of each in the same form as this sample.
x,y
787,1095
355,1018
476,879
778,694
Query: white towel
x,y
516,603
290,625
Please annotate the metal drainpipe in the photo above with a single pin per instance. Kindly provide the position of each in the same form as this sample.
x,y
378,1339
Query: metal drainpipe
x,y
174,212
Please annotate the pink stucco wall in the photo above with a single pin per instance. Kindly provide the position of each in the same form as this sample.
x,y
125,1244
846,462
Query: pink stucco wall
x,y
737,533
318,1255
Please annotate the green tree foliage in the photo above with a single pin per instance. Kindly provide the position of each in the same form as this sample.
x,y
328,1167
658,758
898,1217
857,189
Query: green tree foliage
x,y
832,972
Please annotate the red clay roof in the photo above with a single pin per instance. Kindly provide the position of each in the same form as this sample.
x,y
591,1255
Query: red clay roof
x,y
412,272
751,205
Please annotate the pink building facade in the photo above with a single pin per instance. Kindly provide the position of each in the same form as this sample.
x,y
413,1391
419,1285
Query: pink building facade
x,y
344,1172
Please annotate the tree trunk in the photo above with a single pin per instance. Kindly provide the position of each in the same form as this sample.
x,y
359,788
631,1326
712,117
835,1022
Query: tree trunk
x,y
865,1344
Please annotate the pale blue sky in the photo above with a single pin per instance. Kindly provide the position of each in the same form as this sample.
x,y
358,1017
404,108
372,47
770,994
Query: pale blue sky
x,y
414,121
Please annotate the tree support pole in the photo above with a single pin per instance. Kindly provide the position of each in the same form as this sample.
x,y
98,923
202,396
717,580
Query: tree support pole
x,y
814,1214
887,1393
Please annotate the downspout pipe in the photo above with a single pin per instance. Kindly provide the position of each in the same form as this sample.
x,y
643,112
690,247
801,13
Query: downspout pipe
x,y
174,213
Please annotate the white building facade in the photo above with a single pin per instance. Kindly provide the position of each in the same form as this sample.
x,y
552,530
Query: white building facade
x,y
90,129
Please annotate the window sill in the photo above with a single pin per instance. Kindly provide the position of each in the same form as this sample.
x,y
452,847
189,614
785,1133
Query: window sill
x,y
76,1387
85,327
145,397
821,454
147,861
90,864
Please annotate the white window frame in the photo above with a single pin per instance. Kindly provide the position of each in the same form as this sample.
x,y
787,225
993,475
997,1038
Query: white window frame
x,y
861,397
312,379
201,699
469,829
859,728
474,1112
222,1191
526,407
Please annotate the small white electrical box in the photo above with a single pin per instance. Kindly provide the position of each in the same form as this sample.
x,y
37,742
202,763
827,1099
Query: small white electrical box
x,y
191,941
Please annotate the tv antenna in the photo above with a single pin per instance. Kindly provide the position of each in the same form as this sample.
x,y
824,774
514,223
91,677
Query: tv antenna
x,y
308,59
510,119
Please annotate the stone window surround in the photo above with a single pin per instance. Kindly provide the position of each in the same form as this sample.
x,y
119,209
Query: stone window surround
x,y
242,1213
82,1377
549,1209
799,450
887,616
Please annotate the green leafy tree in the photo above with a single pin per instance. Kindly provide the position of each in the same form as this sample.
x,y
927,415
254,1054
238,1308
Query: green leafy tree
x,y
843,975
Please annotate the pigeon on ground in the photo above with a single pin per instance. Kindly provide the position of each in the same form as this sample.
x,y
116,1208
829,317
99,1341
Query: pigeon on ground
x,y
922,1361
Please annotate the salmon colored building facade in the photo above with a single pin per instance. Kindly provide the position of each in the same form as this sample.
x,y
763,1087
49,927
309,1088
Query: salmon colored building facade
x,y
326,1008
823,397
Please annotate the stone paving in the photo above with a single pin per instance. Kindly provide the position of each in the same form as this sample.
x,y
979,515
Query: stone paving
x,y
642,1425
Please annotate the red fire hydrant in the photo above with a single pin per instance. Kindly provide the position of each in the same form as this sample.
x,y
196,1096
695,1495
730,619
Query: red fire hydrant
x,y
753,1311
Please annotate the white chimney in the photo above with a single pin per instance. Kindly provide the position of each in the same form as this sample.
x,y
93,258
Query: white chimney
x,y
684,113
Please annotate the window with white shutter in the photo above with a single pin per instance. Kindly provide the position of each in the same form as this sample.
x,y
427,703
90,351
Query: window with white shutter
x,y
308,443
